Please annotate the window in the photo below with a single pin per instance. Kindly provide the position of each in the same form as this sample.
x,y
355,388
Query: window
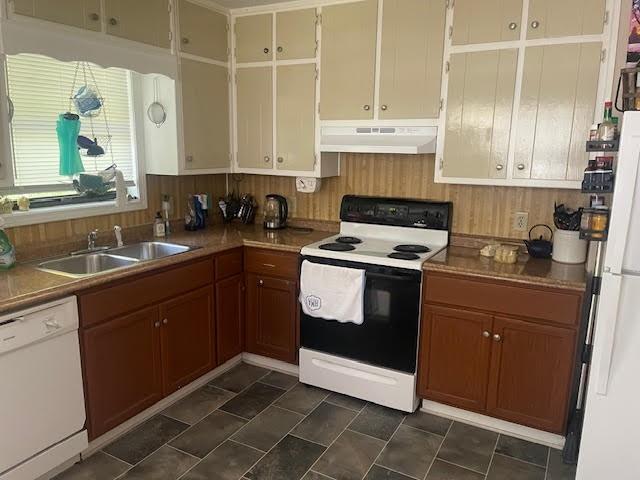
x,y
40,89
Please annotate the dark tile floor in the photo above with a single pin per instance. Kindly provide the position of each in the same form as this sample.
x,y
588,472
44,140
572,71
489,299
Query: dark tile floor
x,y
252,423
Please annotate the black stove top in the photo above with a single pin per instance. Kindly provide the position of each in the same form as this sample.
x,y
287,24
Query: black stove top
x,y
412,249
337,247
349,240
404,256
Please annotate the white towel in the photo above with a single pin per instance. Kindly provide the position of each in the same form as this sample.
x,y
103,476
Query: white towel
x,y
332,293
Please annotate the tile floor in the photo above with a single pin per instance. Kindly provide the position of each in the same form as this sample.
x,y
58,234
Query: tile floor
x,y
252,423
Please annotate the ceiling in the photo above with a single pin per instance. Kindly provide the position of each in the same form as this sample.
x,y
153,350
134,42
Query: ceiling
x,y
246,3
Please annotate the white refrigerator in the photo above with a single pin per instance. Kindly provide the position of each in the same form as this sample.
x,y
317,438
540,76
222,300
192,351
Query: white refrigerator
x,y
610,444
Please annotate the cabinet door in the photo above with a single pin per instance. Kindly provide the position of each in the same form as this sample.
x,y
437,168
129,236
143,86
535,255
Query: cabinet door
x,y
255,117
296,34
411,61
205,110
553,18
229,317
296,114
479,108
348,60
271,317
203,32
76,13
122,368
145,21
530,376
254,38
455,348
486,21
559,90
188,349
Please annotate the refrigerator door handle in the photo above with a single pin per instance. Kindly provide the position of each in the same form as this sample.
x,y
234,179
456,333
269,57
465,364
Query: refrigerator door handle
x,y
606,329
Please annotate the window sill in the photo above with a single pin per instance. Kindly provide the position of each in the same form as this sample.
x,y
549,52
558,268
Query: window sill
x,y
69,212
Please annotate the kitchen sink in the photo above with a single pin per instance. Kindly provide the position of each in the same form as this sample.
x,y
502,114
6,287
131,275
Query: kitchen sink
x,y
149,250
85,265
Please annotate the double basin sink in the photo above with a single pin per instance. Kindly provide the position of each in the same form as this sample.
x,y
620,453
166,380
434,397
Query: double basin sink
x,y
92,263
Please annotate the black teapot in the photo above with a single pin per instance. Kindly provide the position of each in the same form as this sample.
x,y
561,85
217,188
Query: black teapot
x,y
539,248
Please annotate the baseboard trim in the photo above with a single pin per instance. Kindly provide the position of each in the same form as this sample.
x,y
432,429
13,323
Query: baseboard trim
x,y
500,426
270,363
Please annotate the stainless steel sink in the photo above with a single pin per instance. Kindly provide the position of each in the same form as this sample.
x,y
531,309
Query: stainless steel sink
x,y
84,265
149,250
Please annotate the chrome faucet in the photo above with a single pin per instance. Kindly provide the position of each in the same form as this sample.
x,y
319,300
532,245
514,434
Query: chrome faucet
x,y
91,239
117,230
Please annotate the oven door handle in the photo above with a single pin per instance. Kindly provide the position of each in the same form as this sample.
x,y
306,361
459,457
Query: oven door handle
x,y
403,278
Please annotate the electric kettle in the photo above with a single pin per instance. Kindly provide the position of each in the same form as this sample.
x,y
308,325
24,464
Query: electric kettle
x,y
276,211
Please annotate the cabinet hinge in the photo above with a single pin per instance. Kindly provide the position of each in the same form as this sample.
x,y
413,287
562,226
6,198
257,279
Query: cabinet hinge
x,y
606,17
447,3
319,19
170,35
228,77
228,27
447,67
451,31
169,7
603,55
317,48
318,108
441,104
317,74
441,163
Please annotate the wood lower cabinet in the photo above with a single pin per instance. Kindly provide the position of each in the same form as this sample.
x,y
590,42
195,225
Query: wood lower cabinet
x,y
456,354
272,317
187,338
230,317
476,354
122,368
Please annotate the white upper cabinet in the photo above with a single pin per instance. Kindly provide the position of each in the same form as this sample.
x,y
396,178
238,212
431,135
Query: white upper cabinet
x,y
84,14
254,38
348,61
145,21
296,34
486,21
565,18
411,58
203,32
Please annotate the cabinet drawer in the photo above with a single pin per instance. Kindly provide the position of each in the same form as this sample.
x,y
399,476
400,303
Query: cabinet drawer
x,y
112,300
557,306
228,264
269,262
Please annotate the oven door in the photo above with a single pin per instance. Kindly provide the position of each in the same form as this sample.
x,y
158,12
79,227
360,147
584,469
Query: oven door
x,y
388,337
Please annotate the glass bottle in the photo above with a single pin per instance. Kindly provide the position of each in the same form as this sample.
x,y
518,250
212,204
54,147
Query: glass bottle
x,y
607,129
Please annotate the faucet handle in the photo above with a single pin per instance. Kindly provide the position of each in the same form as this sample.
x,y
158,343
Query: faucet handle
x,y
117,230
93,233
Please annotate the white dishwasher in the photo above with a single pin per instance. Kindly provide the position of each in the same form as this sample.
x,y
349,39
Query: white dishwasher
x,y
42,412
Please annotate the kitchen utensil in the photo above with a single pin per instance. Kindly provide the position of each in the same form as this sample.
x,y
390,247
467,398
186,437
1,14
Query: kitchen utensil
x,y
566,218
539,248
276,212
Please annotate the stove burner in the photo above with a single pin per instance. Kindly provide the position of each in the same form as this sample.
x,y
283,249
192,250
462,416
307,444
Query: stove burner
x,y
337,247
404,256
412,248
349,240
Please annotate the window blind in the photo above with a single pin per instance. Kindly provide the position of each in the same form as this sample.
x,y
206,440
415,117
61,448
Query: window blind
x,y
40,88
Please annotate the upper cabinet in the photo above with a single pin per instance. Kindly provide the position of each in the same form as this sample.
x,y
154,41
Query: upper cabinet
x,y
348,61
411,58
76,13
254,38
203,32
146,21
486,21
553,18
296,34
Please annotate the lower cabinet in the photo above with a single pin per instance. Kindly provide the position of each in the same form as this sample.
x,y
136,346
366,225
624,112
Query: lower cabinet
x,y
230,317
513,368
272,317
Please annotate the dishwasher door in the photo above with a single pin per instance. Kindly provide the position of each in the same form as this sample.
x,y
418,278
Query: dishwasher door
x,y
41,394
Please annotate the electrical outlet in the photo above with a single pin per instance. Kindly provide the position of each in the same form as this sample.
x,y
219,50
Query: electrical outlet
x,y
521,221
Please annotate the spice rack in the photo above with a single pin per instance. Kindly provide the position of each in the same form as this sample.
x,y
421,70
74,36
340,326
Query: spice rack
x,y
599,178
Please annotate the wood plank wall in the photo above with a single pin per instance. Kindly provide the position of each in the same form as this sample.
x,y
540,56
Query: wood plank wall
x,y
478,210
177,187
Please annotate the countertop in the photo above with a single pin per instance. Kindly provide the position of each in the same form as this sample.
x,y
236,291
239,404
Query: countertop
x,y
532,271
25,285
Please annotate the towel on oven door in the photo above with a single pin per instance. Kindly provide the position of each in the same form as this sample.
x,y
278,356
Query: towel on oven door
x,y
332,293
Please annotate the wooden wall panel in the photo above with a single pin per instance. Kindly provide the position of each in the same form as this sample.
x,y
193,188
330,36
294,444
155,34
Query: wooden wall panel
x,y
478,210
177,187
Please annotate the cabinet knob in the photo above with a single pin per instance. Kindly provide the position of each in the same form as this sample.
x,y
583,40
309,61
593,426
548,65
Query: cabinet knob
x,y
280,159
280,49
521,166
261,282
513,26
535,24
384,108
486,334
156,324
189,158
497,338
165,321
94,17
267,159
113,21
499,167
185,41
266,50
367,107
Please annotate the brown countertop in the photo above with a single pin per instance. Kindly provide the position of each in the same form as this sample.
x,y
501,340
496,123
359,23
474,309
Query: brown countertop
x,y
25,285
533,271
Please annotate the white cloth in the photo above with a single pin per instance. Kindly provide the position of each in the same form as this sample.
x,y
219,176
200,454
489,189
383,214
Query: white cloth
x,y
332,293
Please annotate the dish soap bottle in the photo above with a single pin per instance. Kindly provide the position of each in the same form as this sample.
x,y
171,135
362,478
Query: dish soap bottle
x,y
7,251
158,226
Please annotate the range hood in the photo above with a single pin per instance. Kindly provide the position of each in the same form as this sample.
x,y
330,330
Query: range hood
x,y
379,139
